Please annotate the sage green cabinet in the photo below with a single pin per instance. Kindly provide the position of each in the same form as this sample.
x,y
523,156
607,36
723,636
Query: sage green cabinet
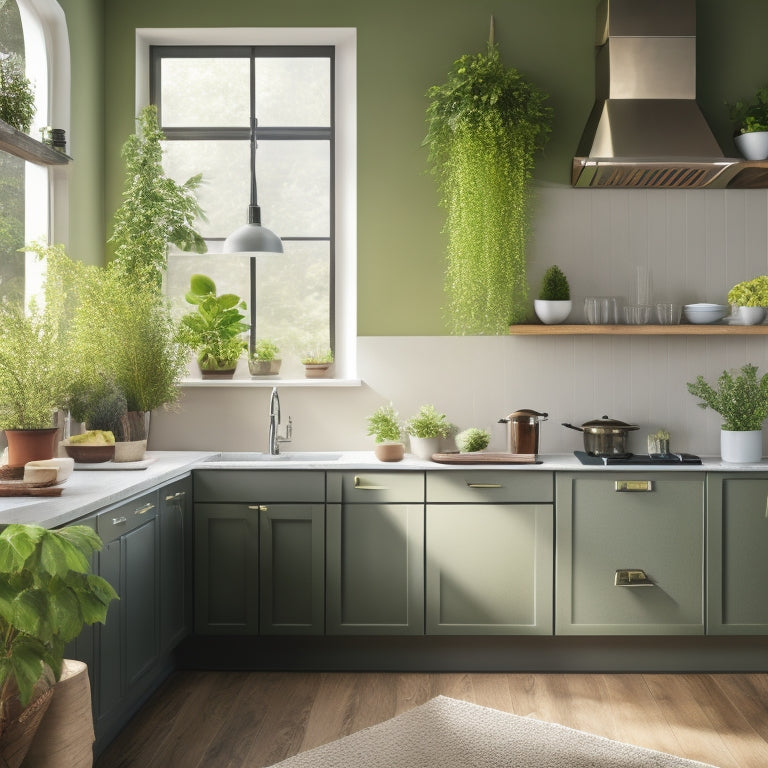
x,y
629,554
375,553
737,543
489,561
259,559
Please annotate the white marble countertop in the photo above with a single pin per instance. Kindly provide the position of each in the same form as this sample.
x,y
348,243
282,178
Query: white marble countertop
x,y
89,489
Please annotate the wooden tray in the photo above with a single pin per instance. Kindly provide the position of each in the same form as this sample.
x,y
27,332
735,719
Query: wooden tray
x,y
22,488
479,457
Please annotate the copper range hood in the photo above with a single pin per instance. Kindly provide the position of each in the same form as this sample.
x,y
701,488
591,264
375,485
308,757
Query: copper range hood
x,y
646,129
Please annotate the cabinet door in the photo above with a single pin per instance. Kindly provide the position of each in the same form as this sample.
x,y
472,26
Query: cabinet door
x,y
292,567
489,569
175,563
737,542
629,523
226,569
375,569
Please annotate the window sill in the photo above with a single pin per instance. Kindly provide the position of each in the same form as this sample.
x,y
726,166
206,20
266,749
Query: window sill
x,y
270,382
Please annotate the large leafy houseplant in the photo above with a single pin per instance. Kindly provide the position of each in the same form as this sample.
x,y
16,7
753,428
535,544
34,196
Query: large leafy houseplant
x,y
47,594
485,124
17,99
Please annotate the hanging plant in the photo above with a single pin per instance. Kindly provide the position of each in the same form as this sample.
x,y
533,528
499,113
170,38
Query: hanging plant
x,y
485,125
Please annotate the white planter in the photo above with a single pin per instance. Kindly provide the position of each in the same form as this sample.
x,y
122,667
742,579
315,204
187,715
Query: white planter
x,y
747,315
753,145
424,447
741,447
551,312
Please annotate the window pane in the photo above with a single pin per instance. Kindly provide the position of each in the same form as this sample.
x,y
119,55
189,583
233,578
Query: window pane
x,y
294,92
11,227
205,92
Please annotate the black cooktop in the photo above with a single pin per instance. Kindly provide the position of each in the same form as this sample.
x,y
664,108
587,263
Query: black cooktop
x,y
638,458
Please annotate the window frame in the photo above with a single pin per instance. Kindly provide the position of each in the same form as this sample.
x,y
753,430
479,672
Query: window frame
x,y
343,311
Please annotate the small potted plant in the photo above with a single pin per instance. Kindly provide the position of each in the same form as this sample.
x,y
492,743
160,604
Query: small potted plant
x,y
472,440
554,303
215,330
748,300
742,400
750,120
49,593
384,425
425,430
316,363
263,360
17,100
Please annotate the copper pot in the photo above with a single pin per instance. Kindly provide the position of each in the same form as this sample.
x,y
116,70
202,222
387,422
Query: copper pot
x,y
523,430
605,437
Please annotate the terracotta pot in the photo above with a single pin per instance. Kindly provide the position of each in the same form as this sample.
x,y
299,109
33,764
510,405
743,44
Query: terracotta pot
x,y
30,445
316,370
389,451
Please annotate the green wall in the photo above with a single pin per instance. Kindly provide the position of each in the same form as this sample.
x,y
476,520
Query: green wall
x,y
403,48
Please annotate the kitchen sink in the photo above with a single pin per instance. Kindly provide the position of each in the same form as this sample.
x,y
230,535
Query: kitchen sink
x,y
314,456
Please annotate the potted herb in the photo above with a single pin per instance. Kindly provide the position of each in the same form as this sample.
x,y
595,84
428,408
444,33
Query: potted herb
x,y
750,119
554,302
742,400
215,329
486,122
384,425
316,363
472,439
425,430
17,100
48,594
263,361
749,300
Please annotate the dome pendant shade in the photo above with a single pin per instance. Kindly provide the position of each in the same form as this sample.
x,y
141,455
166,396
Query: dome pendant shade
x,y
252,237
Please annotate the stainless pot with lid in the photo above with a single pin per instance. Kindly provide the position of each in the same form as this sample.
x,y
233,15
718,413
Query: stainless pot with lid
x,y
605,437
523,430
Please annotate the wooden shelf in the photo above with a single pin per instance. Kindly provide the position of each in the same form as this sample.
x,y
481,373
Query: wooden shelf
x,y
17,143
716,329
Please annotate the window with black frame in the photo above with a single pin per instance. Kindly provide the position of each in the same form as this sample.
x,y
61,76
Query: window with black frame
x,y
207,98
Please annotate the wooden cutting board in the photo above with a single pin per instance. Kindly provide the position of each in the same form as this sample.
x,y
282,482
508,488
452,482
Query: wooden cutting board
x,y
22,488
480,457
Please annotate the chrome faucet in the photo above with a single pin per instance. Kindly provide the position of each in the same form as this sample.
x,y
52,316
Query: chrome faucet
x,y
275,438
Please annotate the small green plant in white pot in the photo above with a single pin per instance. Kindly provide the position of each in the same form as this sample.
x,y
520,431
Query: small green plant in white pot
x,y
749,300
750,120
554,303
263,361
742,400
425,430
384,424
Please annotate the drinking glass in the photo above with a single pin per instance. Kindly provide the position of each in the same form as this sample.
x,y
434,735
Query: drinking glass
x,y
668,314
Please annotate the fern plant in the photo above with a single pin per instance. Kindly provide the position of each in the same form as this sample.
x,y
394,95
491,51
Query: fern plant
x,y
485,124
384,424
739,397
428,422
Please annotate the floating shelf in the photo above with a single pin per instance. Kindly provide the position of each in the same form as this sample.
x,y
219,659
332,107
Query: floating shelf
x,y
17,143
716,329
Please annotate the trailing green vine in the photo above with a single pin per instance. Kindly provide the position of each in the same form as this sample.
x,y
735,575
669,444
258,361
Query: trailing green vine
x,y
485,125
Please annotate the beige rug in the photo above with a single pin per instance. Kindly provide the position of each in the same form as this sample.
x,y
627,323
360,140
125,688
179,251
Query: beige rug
x,y
447,733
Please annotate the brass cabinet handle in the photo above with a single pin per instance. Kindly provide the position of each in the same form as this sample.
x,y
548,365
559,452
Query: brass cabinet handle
x,y
634,486
176,496
368,487
484,485
632,577
119,520
258,507
143,510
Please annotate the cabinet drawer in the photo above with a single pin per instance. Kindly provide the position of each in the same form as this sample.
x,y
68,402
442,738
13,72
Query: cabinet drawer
x,y
483,486
365,487
256,485
114,522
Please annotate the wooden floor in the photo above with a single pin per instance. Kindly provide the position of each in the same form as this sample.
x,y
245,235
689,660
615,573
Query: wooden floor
x,y
254,719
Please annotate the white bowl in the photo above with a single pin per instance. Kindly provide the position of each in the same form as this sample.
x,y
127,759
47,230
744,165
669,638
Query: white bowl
x,y
705,313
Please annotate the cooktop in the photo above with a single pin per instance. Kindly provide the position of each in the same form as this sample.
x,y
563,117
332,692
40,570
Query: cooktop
x,y
638,458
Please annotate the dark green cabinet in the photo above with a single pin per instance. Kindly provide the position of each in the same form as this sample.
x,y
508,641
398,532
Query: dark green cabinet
x,y
629,553
488,560
375,553
737,543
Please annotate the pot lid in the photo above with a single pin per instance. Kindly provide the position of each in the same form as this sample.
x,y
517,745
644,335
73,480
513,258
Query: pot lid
x,y
608,423
525,414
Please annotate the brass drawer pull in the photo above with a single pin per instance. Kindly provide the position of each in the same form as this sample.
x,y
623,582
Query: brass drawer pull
x,y
258,507
632,577
143,510
484,485
176,496
368,487
119,520
634,486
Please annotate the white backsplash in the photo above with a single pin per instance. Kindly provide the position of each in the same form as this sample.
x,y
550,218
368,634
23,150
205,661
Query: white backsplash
x,y
696,244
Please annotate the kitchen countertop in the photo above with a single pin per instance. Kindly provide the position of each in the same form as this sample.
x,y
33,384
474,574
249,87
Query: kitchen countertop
x,y
88,490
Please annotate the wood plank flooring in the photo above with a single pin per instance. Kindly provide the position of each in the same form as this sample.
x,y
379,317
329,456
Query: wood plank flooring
x,y
255,719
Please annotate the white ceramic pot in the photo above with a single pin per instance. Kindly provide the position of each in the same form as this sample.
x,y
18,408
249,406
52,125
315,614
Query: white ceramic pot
x,y
753,145
747,315
424,447
551,312
741,447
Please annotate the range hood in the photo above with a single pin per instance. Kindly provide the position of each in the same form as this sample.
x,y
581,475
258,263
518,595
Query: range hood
x,y
646,129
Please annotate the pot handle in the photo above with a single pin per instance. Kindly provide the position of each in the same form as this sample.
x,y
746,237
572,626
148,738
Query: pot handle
x,y
570,426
